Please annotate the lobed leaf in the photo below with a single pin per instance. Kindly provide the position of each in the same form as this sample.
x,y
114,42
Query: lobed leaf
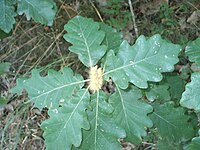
x,y
130,113
86,39
42,11
190,98
7,17
192,50
172,123
104,133
142,62
63,128
51,90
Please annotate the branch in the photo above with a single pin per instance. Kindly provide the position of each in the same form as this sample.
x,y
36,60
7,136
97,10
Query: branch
x,y
133,18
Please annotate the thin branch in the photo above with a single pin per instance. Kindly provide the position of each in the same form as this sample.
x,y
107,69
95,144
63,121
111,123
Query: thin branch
x,y
98,13
133,18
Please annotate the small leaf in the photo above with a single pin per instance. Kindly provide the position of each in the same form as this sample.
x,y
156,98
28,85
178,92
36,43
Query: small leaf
x,y
4,67
42,11
172,123
130,113
63,128
159,91
195,144
48,91
3,102
85,36
176,84
104,133
190,98
192,50
7,16
112,39
144,61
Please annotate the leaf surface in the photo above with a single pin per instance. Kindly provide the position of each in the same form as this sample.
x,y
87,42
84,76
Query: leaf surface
x,y
86,39
192,50
42,11
176,84
164,144
112,39
142,62
130,113
4,67
63,128
190,98
7,17
104,133
172,123
49,91
158,91
3,102
194,144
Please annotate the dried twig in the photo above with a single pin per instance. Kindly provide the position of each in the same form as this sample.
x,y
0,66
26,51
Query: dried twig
x,y
133,18
98,13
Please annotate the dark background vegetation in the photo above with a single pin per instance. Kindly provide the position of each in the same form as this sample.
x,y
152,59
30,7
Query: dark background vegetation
x,y
32,45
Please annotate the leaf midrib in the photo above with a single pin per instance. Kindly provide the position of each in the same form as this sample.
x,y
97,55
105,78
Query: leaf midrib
x,y
87,47
164,119
96,124
60,87
122,101
131,64
67,121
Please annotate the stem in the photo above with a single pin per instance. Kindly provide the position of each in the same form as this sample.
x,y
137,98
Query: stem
x,y
133,18
98,13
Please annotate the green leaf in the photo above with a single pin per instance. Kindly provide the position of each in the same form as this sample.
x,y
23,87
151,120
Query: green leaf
x,y
104,133
195,144
172,123
118,76
4,34
142,62
131,113
3,102
42,11
63,128
164,144
192,50
51,90
85,36
7,16
176,84
112,39
190,98
4,67
158,91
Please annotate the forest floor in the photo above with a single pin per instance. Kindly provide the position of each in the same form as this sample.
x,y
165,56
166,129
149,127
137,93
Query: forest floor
x,y
33,45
